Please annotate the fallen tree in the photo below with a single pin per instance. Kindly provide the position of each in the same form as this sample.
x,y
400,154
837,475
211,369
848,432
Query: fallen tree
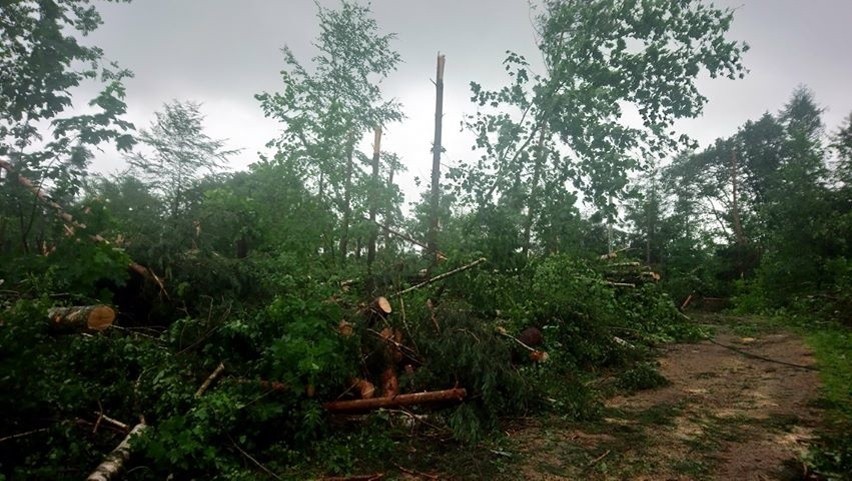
x,y
72,224
113,464
82,318
400,400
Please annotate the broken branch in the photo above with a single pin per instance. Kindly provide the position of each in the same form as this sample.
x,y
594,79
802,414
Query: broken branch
x,y
210,379
440,277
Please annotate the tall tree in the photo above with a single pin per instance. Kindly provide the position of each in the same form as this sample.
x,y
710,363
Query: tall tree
x,y
178,151
604,58
328,108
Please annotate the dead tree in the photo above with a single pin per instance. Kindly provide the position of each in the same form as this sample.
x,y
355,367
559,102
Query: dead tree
x,y
435,196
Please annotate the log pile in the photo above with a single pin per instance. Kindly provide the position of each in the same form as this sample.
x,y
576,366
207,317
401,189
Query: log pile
x,y
388,352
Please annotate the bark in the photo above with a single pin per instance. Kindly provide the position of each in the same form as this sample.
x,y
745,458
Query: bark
x,y
82,318
358,405
112,466
435,197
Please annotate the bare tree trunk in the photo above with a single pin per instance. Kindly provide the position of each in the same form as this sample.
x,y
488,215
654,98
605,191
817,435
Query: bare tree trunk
x,y
374,198
435,199
532,204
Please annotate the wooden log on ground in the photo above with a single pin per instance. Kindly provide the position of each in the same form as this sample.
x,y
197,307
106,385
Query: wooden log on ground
x,y
113,464
82,318
359,405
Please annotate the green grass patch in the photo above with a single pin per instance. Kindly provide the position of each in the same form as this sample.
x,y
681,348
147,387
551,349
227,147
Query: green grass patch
x,y
831,456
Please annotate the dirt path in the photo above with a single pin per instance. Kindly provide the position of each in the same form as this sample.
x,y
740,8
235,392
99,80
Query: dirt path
x,y
724,416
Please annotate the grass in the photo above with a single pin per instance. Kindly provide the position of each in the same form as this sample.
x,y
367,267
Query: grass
x,y
832,345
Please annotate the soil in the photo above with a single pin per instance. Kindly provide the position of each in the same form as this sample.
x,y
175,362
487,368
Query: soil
x,y
724,416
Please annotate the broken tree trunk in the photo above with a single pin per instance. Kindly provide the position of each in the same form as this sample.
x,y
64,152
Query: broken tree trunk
x,y
82,318
435,195
114,462
358,405
374,202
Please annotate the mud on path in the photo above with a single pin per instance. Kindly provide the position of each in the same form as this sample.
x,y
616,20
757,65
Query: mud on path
x,y
724,416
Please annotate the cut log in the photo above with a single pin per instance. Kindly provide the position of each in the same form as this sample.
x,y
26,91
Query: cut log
x,y
114,463
539,356
390,382
365,388
345,328
359,405
381,306
82,318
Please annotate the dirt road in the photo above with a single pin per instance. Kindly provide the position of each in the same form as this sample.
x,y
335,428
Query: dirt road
x,y
725,416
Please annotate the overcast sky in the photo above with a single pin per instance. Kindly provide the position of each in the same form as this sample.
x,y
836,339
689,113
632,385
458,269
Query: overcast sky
x,y
222,52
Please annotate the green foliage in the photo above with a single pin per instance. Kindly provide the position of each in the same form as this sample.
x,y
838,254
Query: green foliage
x,y
643,376
42,134
831,454
179,149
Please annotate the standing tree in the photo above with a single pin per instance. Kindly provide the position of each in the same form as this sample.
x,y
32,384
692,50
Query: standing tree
x,y
178,151
604,59
326,111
